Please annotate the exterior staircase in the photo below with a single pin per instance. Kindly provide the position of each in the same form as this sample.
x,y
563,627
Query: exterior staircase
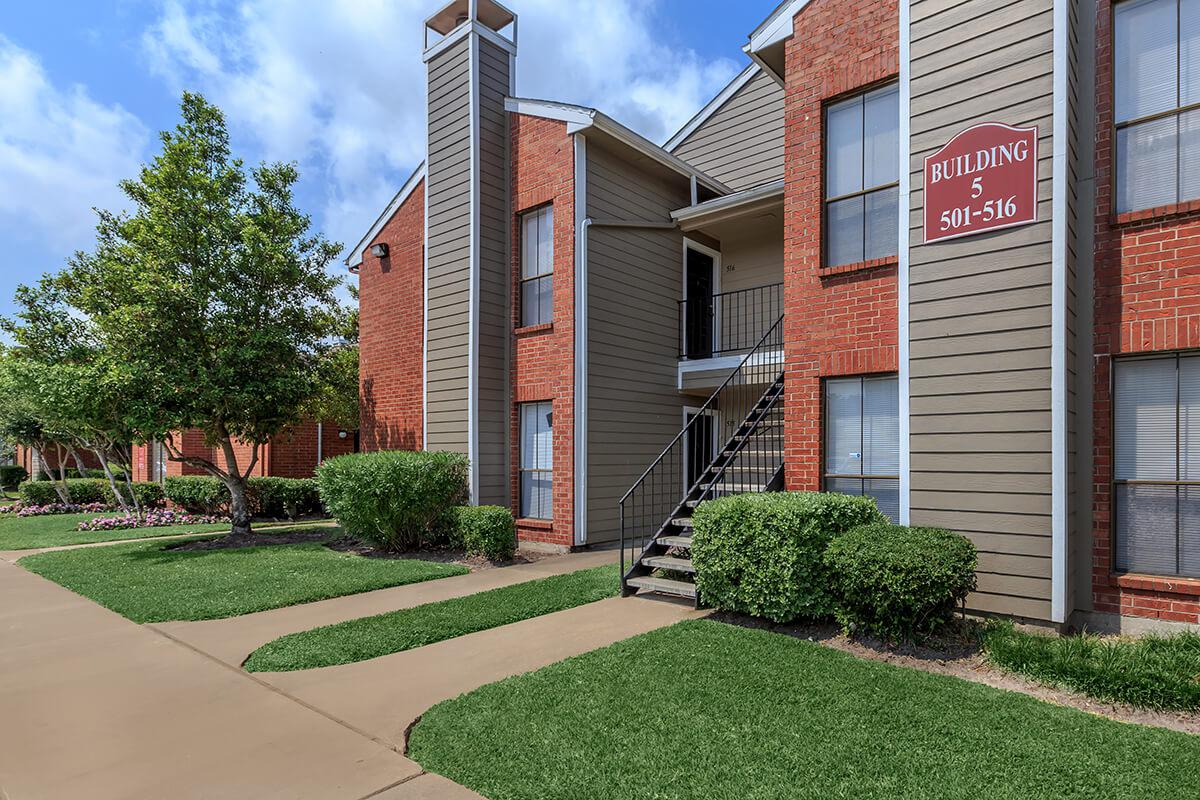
x,y
656,522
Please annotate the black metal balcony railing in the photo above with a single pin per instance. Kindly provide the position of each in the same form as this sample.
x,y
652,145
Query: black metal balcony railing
x,y
727,323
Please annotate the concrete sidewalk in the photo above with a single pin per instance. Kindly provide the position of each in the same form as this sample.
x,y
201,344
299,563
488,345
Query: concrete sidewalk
x,y
232,640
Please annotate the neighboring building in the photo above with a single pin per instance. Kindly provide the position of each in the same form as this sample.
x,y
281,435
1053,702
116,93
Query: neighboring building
x,y
294,454
612,331
27,458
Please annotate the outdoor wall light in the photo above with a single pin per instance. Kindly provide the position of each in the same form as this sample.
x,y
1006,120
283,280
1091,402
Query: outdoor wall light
x,y
379,250
342,434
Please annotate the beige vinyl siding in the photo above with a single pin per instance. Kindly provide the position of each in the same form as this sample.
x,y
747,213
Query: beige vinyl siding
x,y
980,307
495,318
448,249
741,144
634,282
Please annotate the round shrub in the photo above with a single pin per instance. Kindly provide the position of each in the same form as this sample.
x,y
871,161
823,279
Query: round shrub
x,y
394,499
487,531
38,493
81,491
197,494
290,497
763,554
12,475
898,582
149,494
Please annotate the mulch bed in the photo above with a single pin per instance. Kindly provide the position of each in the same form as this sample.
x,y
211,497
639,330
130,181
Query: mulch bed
x,y
957,653
349,544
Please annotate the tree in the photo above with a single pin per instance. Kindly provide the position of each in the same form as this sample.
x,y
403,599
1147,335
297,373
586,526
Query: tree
x,y
336,397
213,296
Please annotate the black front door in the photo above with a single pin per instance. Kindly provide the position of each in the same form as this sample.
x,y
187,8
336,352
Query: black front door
x,y
698,450
698,317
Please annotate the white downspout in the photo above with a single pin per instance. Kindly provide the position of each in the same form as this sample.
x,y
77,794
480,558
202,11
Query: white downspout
x,y
320,443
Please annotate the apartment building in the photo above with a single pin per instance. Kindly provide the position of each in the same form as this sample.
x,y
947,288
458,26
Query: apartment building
x,y
945,253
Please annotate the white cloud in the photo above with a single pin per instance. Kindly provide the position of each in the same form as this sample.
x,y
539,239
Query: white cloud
x,y
340,87
61,154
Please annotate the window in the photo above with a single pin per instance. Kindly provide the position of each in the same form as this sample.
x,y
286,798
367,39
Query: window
x,y
1156,102
537,266
862,177
862,439
537,460
1156,479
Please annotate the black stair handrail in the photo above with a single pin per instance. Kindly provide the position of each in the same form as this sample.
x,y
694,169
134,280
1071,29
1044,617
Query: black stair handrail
x,y
649,504
731,320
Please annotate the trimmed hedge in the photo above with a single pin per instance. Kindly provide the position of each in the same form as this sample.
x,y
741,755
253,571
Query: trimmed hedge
x,y
280,497
148,494
487,531
12,476
899,582
80,490
197,494
764,554
395,499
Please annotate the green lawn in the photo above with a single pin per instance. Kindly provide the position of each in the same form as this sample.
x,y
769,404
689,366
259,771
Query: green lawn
x,y
704,709
146,582
380,635
1161,672
27,533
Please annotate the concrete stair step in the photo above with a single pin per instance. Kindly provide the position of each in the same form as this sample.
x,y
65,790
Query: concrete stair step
x,y
682,522
684,542
672,563
665,586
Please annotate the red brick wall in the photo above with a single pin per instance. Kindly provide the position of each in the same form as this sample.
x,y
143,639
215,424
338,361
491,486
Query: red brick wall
x,y
1147,299
391,332
294,454
543,365
840,321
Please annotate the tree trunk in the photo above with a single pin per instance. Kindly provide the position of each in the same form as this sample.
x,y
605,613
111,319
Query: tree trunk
x,y
60,481
78,462
112,481
239,507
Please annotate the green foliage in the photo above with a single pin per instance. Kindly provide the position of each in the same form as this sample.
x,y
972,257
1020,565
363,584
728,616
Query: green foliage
x,y
395,499
763,554
26,533
12,475
397,631
771,717
1158,672
197,494
487,531
148,494
79,490
279,497
897,582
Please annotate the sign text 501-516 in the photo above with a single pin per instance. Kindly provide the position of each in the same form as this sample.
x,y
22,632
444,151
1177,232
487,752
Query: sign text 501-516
x,y
983,179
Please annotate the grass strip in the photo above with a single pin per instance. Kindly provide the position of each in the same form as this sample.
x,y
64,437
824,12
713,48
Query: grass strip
x,y
57,530
396,631
149,582
704,709
1159,672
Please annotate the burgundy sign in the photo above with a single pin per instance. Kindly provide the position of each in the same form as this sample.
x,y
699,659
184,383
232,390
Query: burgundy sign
x,y
985,178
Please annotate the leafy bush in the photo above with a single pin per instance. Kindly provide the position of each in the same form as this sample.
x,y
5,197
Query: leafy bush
x,y
899,582
82,491
290,497
12,475
395,499
197,494
764,554
148,494
487,531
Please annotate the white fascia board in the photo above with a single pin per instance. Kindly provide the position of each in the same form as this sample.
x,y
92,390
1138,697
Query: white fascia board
x,y
546,109
902,271
354,258
1059,444
729,201
580,119
580,412
462,32
776,27
713,106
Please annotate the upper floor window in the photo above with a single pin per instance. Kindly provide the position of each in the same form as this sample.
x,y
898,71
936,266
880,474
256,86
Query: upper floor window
x,y
862,177
537,266
1156,102
1156,476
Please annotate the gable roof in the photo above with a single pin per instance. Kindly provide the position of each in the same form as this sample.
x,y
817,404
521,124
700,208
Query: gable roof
x,y
714,105
579,118
354,257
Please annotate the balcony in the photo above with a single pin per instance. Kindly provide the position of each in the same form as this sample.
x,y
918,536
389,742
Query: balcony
x,y
727,324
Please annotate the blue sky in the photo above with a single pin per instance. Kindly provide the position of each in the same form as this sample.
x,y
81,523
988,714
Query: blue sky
x,y
334,86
